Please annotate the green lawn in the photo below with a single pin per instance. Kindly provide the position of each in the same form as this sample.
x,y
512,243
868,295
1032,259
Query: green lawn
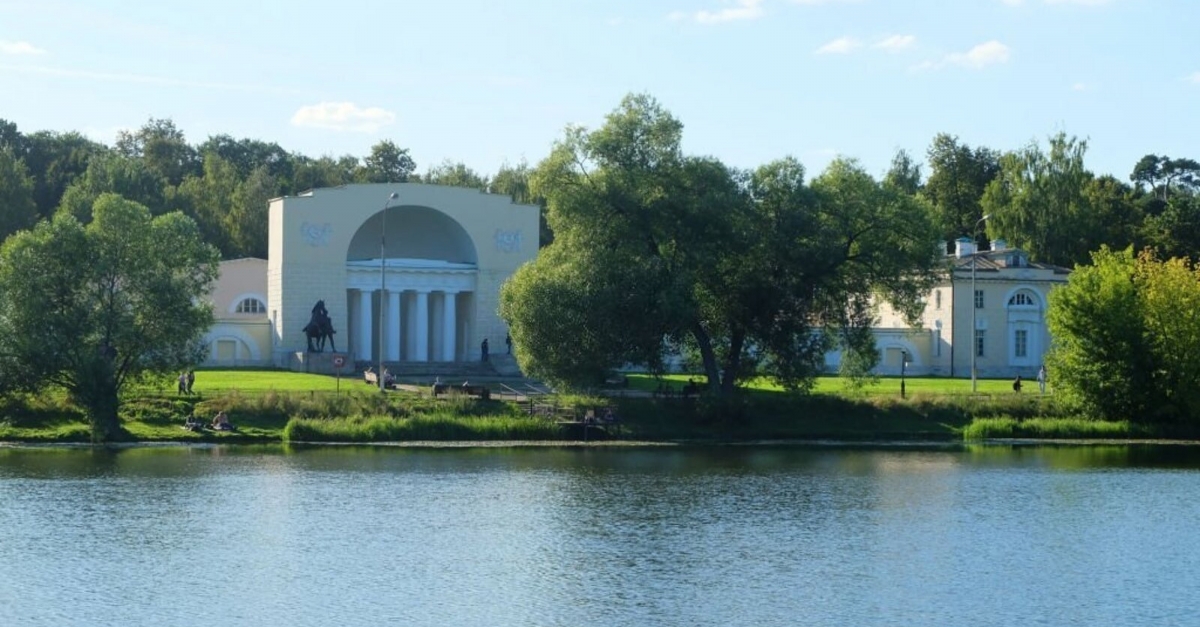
x,y
209,382
884,386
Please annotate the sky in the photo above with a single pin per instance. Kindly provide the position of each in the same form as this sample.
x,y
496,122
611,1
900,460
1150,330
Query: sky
x,y
489,82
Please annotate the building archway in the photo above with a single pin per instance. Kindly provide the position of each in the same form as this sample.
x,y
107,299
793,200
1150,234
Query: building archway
x,y
410,295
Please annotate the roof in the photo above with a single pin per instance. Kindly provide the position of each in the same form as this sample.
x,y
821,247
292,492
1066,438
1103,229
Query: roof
x,y
999,260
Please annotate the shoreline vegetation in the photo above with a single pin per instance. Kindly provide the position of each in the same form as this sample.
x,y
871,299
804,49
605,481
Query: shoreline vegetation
x,y
268,406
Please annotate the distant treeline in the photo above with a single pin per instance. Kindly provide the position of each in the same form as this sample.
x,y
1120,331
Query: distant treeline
x,y
1042,199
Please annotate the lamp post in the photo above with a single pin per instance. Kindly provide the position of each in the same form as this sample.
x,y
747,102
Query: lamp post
x,y
974,302
383,283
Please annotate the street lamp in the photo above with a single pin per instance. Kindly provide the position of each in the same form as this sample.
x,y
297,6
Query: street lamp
x,y
974,302
382,283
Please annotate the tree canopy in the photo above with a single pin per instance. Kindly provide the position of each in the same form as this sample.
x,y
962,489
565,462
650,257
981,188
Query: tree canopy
x,y
92,307
740,268
1127,337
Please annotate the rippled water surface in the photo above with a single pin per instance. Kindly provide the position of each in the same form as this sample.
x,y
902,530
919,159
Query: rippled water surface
x,y
600,537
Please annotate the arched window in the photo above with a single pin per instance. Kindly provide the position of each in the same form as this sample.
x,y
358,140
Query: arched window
x,y
251,306
1021,299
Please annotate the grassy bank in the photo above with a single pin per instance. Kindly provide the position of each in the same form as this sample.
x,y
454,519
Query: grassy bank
x,y
272,406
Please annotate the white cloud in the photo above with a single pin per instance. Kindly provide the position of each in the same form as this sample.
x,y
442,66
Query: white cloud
x,y
741,10
895,43
1080,87
815,2
1193,78
1086,3
343,116
19,47
987,53
841,45
1013,3
977,58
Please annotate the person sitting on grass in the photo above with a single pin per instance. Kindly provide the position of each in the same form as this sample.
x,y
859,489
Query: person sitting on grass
x,y
193,423
221,422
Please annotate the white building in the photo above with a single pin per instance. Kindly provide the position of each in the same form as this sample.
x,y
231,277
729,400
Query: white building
x,y
426,289
1006,308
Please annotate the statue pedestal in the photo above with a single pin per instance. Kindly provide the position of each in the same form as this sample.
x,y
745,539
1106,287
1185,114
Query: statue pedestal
x,y
321,363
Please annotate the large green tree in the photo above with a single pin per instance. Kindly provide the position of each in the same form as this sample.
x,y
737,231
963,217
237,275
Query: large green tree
x,y
1127,338
91,308
1039,202
958,177
17,209
658,252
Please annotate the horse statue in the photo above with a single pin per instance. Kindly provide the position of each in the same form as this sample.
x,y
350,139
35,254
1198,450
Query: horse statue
x,y
319,329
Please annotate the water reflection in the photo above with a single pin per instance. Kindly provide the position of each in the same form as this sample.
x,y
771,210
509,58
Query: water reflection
x,y
699,536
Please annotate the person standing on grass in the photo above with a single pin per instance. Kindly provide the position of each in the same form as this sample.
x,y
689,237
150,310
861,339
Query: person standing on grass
x,y
1042,379
1017,384
191,380
183,389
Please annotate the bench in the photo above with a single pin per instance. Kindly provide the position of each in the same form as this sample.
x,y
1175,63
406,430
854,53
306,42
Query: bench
x,y
370,377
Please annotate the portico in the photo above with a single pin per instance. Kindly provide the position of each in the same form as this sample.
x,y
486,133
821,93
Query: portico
x,y
408,270
422,303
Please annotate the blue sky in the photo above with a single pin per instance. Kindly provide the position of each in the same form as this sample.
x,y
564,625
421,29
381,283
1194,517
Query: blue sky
x,y
484,82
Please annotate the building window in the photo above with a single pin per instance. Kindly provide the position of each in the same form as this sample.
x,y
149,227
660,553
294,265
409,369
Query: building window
x,y
1021,298
1021,340
979,299
937,298
251,306
980,335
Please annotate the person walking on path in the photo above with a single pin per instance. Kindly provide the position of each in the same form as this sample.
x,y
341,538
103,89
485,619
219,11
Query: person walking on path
x,y
483,349
1042,379
508,342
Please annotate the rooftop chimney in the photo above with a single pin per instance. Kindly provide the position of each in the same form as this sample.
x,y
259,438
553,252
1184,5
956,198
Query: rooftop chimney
x,y
999,244
963,247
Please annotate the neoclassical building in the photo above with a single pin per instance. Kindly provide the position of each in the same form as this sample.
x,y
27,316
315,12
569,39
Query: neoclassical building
x,y
1006,308
408,269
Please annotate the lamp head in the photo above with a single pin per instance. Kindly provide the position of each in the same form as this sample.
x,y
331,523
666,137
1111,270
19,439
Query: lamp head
x,y
393,196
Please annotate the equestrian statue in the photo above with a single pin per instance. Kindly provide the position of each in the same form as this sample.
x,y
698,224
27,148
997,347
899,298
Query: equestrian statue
x,y
319,328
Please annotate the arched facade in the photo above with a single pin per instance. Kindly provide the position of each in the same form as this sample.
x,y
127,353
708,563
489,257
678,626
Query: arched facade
x,y
411,278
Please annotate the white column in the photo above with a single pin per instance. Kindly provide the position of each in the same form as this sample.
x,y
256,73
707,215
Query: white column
x,y
422,338
393,327
449,325
363,335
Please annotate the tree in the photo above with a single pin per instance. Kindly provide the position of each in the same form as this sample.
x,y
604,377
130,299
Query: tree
x,y
957,179
1126,346
55,161
904,175
91,308
742,269
455,174
164,149
17,209
1160,172
112,173
1038,202
210,200
388,163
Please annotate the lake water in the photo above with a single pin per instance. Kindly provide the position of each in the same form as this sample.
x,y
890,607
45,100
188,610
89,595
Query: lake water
x,y
789,535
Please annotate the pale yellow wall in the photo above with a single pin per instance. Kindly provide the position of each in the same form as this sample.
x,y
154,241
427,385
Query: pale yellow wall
x,y
239,278
310,236
955,318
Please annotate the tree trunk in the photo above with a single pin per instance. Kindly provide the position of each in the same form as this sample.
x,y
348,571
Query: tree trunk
x,y
97,394
707,356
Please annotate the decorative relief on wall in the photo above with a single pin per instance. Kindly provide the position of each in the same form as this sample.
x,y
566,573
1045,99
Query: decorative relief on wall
x,y
316,234
508,241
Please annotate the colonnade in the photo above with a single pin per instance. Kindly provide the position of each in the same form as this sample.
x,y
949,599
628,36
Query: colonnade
x,y
418,324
